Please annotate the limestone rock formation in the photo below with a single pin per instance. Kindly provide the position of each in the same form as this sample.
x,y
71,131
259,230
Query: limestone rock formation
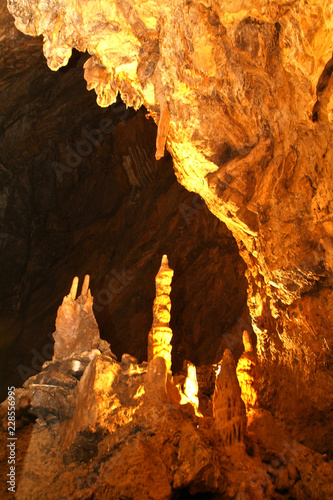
x,y
51,394
160,335
191,388
105,391
228,406
159,382
76,327
247,373
242,94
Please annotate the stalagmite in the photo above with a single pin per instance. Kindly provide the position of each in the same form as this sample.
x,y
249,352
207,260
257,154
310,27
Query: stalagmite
x,y
191,388
228,406
247,373
76,327
160,335
159,382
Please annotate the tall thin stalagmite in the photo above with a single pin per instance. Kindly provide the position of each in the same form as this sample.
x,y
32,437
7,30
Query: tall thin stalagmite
x,y
247,373
160,335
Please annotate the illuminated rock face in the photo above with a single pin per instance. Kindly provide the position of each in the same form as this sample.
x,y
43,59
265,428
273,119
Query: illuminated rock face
x,y
242,94
191,385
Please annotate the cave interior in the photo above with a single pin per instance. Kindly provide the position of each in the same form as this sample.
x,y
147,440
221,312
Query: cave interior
x,y
196,360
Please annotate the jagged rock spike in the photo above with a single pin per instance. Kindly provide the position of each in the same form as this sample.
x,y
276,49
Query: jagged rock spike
x,y
159,383
165,261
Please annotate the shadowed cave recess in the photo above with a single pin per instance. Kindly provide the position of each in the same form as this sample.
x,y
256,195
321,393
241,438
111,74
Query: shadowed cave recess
x,y
195,359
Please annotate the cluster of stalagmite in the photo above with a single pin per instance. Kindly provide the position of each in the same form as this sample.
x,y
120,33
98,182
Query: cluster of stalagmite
x,y
139,429
228,406
77,332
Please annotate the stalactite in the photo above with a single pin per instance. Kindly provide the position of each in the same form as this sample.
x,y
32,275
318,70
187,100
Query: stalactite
x,y
98,78
162,131
247,373
228,406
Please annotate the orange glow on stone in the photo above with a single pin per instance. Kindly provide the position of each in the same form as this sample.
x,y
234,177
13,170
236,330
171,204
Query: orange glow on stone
x,y
191,389
247,373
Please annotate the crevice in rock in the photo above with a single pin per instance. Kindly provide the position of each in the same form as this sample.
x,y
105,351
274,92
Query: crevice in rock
x,y
324,86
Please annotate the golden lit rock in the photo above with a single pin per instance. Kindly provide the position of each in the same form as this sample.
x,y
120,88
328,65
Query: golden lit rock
x,y
191,389
242,96
162,132
95,396
117,430
160,335
159,383
247,373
